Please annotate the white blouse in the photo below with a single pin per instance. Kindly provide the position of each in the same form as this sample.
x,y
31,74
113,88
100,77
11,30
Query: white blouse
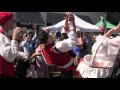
x,y
109,48
67,44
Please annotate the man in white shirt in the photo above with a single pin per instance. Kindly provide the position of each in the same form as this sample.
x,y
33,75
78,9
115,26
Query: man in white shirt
x,y
8,49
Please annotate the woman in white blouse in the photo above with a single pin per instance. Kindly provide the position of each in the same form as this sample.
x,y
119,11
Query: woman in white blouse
x,y
104,52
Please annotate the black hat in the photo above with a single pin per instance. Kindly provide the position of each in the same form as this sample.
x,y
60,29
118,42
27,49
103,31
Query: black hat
x,y
42,37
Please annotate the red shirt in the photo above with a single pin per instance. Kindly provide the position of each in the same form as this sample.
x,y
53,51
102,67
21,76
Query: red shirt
x,y
59,59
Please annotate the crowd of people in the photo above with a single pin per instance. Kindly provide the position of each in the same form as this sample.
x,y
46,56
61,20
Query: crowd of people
x,y
31,55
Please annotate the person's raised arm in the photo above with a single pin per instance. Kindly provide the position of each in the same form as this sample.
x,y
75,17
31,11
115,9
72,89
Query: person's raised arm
x,y
72,21
9,50
26,39
66,26
36,27
110,32
68,44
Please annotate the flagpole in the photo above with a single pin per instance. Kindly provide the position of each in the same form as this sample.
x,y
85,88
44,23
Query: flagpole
x,y
105,17
105,21
104,14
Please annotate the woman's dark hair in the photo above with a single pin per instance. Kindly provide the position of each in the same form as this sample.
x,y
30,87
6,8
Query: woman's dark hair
x,y
42,37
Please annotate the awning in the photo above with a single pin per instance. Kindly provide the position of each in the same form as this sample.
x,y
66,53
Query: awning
x,y
108,25
57,17
29,17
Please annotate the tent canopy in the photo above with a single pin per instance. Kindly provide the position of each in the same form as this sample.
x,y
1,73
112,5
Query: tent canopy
x,y
81,24
108,24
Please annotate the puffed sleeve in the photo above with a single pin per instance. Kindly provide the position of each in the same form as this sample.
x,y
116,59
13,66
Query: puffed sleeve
x,y
108,49
8,50
112,45
67,44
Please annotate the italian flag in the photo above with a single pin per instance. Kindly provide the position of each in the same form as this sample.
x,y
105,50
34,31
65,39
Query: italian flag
x,y
102,25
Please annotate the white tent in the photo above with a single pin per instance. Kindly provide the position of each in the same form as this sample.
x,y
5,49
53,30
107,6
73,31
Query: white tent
x,y
81,24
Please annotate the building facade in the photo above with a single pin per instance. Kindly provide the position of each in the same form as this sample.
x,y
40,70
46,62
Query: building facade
x,y
94,16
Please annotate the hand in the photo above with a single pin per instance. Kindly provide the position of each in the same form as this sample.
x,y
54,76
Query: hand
x,y
67,13
117,28
67,17
28,37
71,16
66,26
76,61
47,30
16,33
33,55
